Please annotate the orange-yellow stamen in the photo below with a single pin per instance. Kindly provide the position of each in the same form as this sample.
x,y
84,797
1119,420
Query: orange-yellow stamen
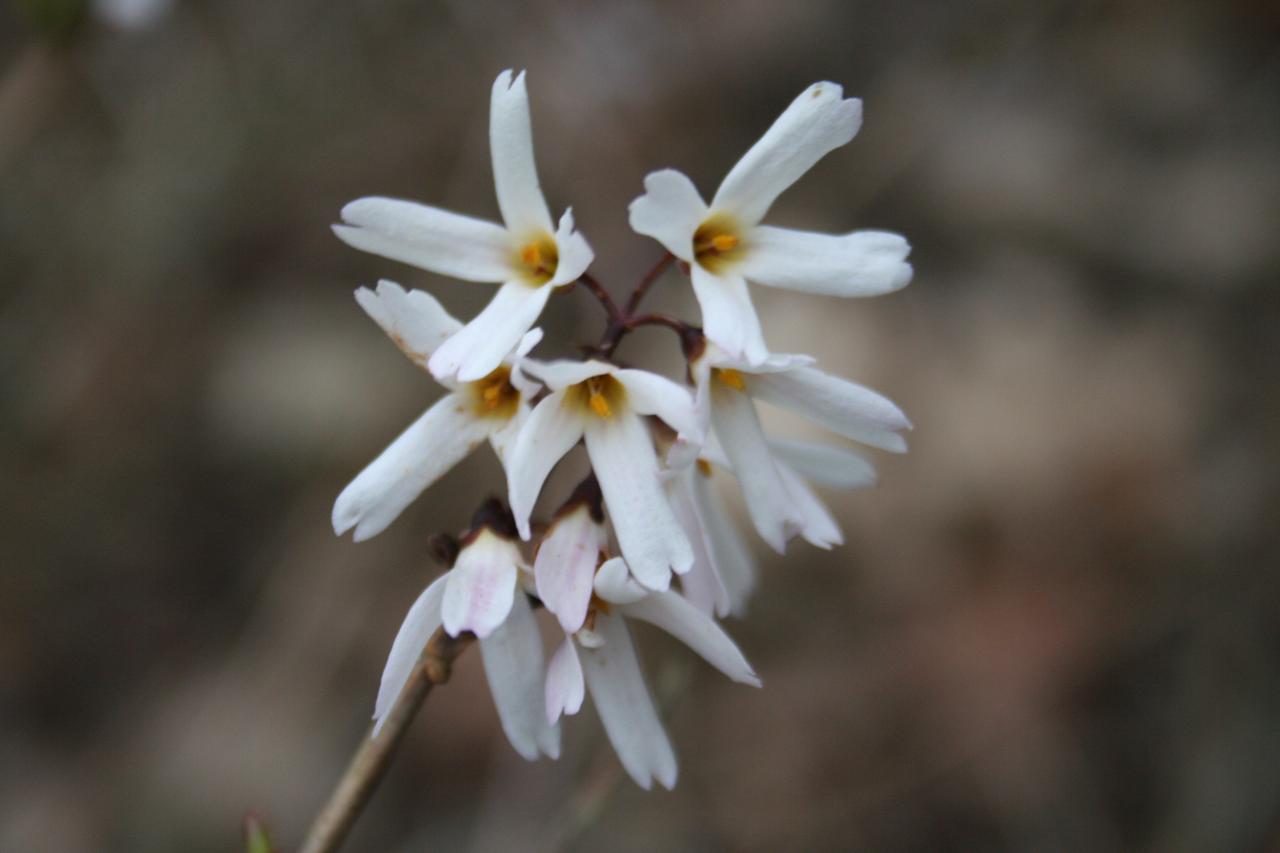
x,y
704,467
724,242
539,259
598,403
732,378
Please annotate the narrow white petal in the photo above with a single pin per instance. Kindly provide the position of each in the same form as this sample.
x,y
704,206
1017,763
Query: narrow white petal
x,y
574,251
702,586
833,467
562,373
670,211
626,709
651,394
432,444
515,177
428,237
738,428
648,534
565,688
817,122
864,263
503,435
481,586
415,321
818,527
481,345
845,407
615,585
411,640
565,565
515,667
728,317
696,630
551,430
735,563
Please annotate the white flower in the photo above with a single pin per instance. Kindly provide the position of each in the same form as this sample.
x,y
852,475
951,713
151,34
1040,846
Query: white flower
x,y
568,555
778,501
603,659
606,405
530,256
494,407
725,245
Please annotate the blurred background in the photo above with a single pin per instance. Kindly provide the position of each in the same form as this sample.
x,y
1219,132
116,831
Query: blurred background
x,y
1054,623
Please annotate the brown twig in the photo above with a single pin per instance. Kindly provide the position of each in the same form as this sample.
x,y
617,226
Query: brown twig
x,y
633,304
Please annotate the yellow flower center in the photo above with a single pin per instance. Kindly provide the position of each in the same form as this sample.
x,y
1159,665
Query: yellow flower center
x,y
494,396
730,377
717,240
704,467
538,260
600,395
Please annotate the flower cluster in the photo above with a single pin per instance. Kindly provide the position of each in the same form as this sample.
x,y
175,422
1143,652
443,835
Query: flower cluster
x,y
649,512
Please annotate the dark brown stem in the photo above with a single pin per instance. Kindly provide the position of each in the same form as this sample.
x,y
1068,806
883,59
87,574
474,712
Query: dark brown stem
x,y
598,291
622,321
633,304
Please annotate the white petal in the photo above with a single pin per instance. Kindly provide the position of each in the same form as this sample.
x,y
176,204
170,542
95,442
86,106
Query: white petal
x,y
415,321
428,237
864,263
728,317
615,585
511,143
503,435
696,630
565,688
833,467
626,709
738,427
575,254
432,444
845,407
651,394
481,345
817,122
565,565
818,527
411,640
702,586
734,561
515,667
648,534
551,430
562,373
670,211
481,586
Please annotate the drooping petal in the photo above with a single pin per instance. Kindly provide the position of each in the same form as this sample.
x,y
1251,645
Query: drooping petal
x,y
738,427
574,251
728,316
702,586
626,709
432,444
515,177
833,467
481,586
421,622
415,321
615,585
648,534
565,565
565,688
735,563
818,527
515,667
562,373
651,394
481,345
817,122
696,630
429,238
845,407
551,430
864,263
670,211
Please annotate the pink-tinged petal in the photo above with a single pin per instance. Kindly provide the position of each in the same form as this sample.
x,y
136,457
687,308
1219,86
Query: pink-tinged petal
x,y
651,394
415,321
845,407
735,563
575,254
696,630
411,640
428,238
515,667
481,345
432,444
565,565
565,687
670,211
649,536
615,585
738,428
481,586
728,316
864,263
818,527
817,122
524,209
551,431
702,586
626,709
823,464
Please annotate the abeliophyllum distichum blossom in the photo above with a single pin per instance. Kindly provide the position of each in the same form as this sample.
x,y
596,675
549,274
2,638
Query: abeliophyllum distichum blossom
x,y
646,536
